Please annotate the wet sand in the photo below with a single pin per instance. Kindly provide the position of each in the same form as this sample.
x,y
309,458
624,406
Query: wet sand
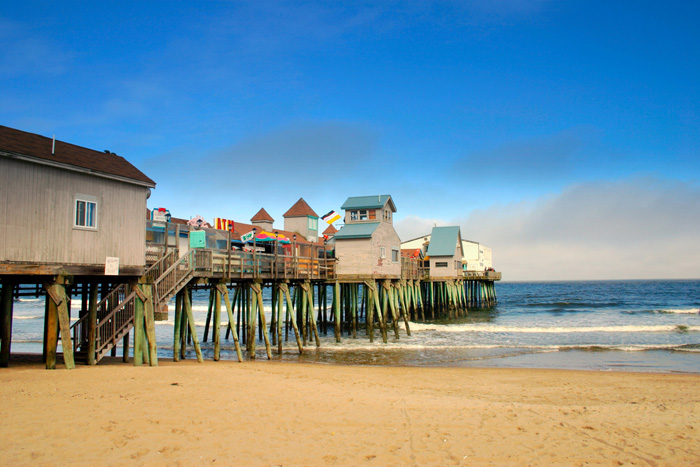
x,y
272,413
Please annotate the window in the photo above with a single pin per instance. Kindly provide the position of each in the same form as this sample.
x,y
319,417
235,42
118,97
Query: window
x,y
85,212
372,214
313,223
363,214
394,255
441,264
382,252
387,215
353,215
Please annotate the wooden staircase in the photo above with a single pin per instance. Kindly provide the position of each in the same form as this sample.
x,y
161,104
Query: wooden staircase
x,y
115,312
115,318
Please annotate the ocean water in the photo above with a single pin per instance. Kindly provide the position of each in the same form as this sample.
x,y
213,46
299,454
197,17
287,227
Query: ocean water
x,y
613,325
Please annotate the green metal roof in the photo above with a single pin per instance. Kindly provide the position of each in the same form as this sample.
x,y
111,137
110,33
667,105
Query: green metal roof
x,y
443,241
362,230
368,202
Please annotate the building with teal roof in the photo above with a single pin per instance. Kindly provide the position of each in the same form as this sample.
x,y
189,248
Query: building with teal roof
x,y
445,252
368,245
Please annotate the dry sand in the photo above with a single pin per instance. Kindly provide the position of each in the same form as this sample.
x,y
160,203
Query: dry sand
x,y
271,413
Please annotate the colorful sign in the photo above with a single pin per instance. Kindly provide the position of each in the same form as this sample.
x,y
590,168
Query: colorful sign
x,y
223,224
248,237
198,221
160,215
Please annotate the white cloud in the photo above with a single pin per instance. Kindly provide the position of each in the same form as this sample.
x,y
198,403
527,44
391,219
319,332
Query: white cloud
x,y
638,228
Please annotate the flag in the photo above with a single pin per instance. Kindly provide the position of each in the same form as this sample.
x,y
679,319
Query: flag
x,y
331,217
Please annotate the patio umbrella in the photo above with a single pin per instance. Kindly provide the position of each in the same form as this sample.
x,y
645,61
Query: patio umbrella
x,y
270,237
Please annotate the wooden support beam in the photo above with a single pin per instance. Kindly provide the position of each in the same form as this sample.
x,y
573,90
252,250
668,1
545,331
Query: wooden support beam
x,y
92,324
176,327
217,324
257,289
336,310
369,321
138,327
57,292
210,307
290,312
312,314
404,308
192,326
6,323
229,310
149,316
382,310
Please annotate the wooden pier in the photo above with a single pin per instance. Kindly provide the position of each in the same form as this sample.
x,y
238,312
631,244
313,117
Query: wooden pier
x,y
308,299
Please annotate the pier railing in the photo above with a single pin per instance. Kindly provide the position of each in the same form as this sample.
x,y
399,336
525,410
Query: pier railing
x,y
115,317
224,258
482,275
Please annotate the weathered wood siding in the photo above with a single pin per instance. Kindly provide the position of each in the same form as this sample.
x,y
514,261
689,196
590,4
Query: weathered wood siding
x,y
451,270
301,226
385,236
454,264
355,256
37,215
362,256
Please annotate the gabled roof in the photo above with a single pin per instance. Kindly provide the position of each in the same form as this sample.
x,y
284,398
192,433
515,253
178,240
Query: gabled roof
x,y
368,202
300,209
363,230
330,230
443,241
262,215
35,148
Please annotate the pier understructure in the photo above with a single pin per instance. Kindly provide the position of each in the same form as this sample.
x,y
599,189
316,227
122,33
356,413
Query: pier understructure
x,y
308,299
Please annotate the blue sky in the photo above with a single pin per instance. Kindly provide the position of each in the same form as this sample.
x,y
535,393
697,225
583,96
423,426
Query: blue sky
x,y
563,134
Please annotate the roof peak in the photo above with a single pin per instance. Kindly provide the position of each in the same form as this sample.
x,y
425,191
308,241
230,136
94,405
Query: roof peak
x,y
299,209
262,215
368,202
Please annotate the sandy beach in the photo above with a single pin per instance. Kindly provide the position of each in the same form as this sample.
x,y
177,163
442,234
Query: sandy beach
x,y
272,413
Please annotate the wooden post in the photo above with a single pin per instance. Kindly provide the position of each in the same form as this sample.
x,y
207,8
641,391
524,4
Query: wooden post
x,y
183,328
252,322
229,310
290,313
57,292
6,323
369,321
192,326
312,315
277,308
404,310
92,324
176,327
353,308
217,323
336,310
138,329
302,306
149,316
50,333
210,306
257,288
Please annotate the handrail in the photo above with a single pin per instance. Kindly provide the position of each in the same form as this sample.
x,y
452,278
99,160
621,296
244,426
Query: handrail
x,y
171,280
116,321
156,269
122,301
